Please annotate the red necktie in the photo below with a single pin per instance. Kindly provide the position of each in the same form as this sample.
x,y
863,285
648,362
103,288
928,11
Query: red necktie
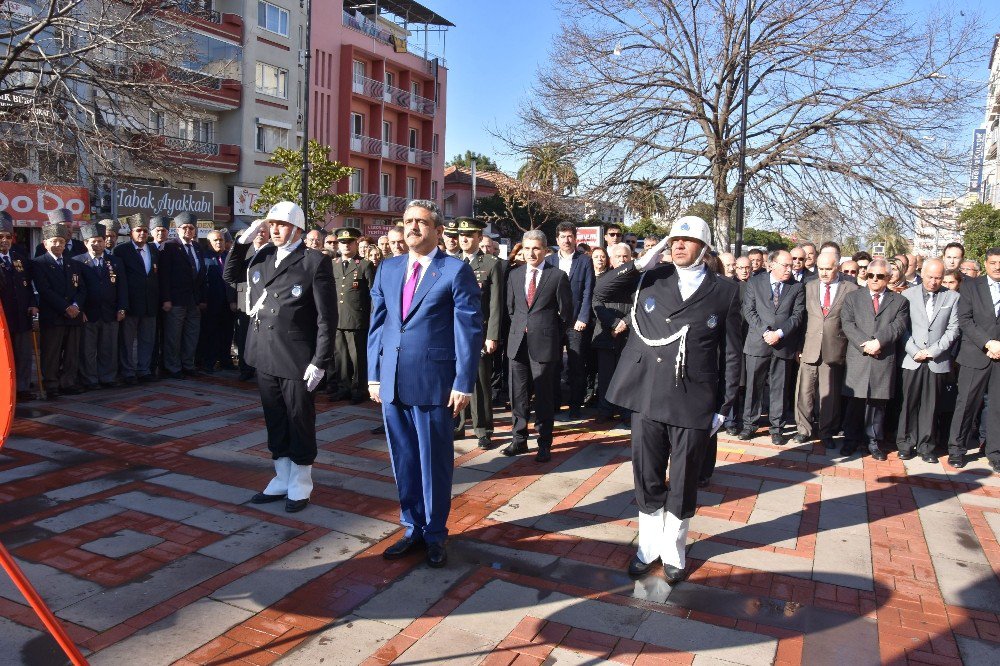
x,y
875,302
826,300
531,287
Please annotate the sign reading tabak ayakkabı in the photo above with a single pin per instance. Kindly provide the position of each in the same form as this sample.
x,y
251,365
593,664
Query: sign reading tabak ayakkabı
x,y
167,201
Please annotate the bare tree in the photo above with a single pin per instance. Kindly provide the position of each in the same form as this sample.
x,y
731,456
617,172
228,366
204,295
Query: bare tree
x,y
843,97
91,85
518,205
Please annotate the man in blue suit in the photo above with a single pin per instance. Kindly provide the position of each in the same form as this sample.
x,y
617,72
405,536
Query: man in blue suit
x,y
423,356
580,269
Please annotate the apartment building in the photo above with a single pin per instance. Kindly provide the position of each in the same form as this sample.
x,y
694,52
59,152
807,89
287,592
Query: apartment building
x,y
936,223
984,178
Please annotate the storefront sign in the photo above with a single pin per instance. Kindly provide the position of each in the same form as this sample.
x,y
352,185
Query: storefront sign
x,y
978,152
132,199
376,230
30,205
589,235
245,202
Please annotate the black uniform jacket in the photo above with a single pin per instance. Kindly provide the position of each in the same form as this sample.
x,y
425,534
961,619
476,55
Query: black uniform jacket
x,y
106,289
354,293
645,380
180,284
143,288
58,288
545,323
16,292
294,325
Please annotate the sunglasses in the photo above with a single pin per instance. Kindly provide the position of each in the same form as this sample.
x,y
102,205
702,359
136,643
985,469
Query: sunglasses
x,y
877,276
613,234
849,272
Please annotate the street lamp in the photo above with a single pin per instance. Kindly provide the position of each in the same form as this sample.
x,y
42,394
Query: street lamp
x,y
741,201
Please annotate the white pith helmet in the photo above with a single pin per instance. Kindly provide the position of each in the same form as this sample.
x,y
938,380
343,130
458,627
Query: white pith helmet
x,y
693,227
287,211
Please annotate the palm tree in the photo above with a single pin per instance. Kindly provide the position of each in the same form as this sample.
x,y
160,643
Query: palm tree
x,y
645,199
548,167
887,232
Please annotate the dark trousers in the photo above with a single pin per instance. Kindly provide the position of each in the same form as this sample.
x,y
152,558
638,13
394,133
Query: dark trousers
x,y
242,326
351,354
774,371
22,347
607,362
654,444
60,350
138,338
498,381
290,417
181,327
921,391
215,338
735,417
481,404
99,352
972,385
708,462
864,422
575,369
423,461
526,373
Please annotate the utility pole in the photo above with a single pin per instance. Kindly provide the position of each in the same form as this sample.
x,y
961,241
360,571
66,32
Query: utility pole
x,y
305,110
741,202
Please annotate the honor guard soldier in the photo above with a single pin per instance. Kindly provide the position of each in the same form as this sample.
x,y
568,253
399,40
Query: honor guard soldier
x,y
293,316
683,317
61,293
19,304
489,276
450,239
104,308
353,276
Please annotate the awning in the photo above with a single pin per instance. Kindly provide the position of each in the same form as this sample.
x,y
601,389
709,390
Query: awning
x,y
408,10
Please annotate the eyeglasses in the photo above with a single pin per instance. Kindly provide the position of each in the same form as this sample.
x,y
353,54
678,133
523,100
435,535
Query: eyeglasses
x,y
613,234
849,271
877,276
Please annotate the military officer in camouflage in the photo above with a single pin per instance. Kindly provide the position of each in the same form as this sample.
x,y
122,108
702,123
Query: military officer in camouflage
x,y
489,276
353,276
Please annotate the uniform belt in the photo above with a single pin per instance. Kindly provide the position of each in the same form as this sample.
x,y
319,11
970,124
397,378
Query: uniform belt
x,y
681,359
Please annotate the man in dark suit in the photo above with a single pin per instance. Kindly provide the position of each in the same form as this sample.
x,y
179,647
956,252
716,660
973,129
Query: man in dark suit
x,y
73,246
182,283
103,309
215,340
260,239
290,341
611,332
684,319
138,329
774,309
734,419
489,276
19,304
821,369
874,320
540,307
353,276
423,344
580,269
61,293
979,358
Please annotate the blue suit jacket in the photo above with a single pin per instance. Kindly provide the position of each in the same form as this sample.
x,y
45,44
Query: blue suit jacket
x,y
581,283
421,359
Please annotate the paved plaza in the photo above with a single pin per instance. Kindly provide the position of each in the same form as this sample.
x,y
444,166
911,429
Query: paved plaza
x,y
129,510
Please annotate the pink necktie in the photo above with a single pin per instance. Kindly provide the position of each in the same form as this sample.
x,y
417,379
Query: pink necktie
x,y
410,288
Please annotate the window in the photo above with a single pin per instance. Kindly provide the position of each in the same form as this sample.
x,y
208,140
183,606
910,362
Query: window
x,y
272,18
390,79
194,129
357,176
357,124
435,146
386,131
413,139
270,137
384,182
157,121
415,88
434,190
411,188
360,70
272,80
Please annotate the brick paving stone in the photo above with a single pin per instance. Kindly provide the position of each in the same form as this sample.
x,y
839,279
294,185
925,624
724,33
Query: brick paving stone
x,y
700,638
975,651
762,560
348,642
46,449
80,490
122,543
174,636
156,505
219,521
212,489
249,542
28,471
73,518
57,588
448,645
24,645
410,596
368,530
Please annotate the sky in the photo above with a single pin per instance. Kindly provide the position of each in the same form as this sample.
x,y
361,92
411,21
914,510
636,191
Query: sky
x,y
495,49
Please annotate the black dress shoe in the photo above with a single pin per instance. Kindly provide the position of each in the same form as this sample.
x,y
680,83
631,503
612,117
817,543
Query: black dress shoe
x,y
705,483
878,454
801,439
674,574
929,458
906,455
261,498
71,390
147,379
733,431
747,434
378,430
637,567
956,460
485,444
543,455
174,375
515,449
777,440
437,555
403,547
294,506
191,373
995,464
828,444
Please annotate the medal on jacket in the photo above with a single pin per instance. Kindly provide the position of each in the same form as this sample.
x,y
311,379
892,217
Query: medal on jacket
x,y
256,277
111,273
712,322
681,335
76,279
18,266
296,290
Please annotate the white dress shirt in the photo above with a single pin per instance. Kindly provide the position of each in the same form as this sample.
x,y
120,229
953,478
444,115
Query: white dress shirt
x,y
994,294
565,263
833,291
284,251
424,262
528,274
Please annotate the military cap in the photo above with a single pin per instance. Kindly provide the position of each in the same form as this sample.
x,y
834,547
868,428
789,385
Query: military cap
x,y
60,216
185,218
55,230
158,222
469,224
347,234
6,222
92,231
451,228
110,227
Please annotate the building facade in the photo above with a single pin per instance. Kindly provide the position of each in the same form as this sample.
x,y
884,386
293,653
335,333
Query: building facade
x,y
989,186
936,224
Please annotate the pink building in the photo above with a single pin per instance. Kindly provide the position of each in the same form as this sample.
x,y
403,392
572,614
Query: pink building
x,y
378,98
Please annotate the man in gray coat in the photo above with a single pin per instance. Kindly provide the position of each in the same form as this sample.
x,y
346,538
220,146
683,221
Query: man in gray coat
x,y
874,320
928,358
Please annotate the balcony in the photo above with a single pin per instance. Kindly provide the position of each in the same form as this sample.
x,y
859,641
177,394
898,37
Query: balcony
x,y
197,15
368,27
398,97
372,147
379,203
201,155
210,92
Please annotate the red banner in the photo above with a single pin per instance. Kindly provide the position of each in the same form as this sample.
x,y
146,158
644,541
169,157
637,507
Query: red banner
x,y
30,205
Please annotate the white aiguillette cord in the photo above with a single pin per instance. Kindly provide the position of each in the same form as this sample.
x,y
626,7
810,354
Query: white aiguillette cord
x,y
681,335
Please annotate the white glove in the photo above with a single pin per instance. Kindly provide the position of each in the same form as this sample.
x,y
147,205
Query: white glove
x,y
313,377
651,258
717,421
248,234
